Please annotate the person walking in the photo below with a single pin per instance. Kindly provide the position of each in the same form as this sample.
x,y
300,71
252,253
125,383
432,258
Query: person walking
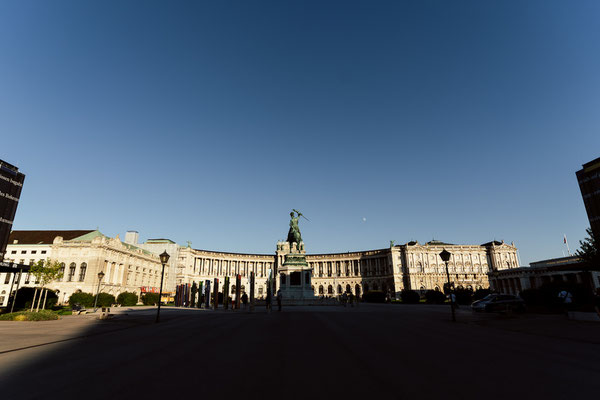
x,y
268,300
279,297
245,301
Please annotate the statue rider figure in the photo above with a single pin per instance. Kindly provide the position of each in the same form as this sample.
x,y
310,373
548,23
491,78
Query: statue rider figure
x,y
294,232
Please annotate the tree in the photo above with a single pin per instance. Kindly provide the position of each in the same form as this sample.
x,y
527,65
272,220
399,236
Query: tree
x,y
45,271
590,250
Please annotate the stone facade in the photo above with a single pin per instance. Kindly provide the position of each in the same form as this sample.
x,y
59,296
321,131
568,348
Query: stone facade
x,y
126,267
410,266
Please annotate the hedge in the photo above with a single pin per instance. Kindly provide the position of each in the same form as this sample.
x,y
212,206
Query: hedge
x,y
82,298
435,297
150,299
127,299
410,296
374,296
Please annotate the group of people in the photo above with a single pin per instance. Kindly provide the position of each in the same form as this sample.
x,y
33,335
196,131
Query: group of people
x,y
278,298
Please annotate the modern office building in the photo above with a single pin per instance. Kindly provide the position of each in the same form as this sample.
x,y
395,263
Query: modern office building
x,y
11,183
589,184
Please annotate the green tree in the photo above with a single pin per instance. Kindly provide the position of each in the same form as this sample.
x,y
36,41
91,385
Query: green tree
x,y
590,250
45,271
150,299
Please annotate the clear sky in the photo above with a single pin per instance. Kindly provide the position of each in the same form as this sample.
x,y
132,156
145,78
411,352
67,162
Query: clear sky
x,y
462,121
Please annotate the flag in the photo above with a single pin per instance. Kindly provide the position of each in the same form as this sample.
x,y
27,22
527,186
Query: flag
x,y
565,239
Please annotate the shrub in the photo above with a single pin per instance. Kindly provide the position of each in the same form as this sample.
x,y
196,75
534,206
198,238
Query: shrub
x,y
410,296
463,296
106,300
435,297
82,298
127,299
374,296
42,315
150,299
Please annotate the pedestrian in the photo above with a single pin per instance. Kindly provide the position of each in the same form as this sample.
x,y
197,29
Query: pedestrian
x,y
452,297
279,296
245,300
597,302
268,301
566,298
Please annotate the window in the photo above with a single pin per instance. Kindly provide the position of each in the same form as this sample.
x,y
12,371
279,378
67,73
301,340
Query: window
x,y
13,252
321,290
23,251
72,268
329,289
82,270
62,272
27,277
33,251
43,251
7,279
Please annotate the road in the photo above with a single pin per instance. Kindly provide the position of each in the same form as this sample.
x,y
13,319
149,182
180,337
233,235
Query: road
x,y
391,351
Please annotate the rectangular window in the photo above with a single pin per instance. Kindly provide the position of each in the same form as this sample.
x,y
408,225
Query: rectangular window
x,y
23,251
33,251
43,251
7,279
13,252
27,277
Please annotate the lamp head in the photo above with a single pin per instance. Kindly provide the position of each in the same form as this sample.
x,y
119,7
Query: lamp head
x,y
100,275
445,255
164,257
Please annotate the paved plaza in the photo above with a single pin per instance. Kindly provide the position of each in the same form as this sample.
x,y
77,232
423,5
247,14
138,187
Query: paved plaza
x,y
386,351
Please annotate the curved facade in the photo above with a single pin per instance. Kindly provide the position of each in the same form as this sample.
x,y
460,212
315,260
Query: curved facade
x,y
410,266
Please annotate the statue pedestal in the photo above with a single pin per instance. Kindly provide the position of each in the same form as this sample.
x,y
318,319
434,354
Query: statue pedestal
x,y
295,278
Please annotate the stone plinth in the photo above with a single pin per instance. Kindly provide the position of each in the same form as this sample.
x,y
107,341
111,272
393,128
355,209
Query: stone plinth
x,y
295,278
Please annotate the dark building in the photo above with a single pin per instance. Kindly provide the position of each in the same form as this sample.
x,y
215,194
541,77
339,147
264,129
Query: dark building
x,y
11,183
589,183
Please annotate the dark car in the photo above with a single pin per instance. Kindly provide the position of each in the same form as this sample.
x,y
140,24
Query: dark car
x,y
499,303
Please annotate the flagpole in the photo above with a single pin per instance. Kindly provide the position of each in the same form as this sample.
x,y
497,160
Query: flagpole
x,y
567,243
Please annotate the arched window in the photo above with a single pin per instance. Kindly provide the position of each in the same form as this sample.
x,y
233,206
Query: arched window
x,y
339,289
348,289
82,270
62,273
437,289
329,289
321,290
72,268
357,290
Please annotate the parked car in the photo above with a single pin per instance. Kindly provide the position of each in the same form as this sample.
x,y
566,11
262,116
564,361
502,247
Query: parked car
x,y
499,303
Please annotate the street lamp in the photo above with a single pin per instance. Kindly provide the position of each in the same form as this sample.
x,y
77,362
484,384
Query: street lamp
x,y
164,258
100,276
445,255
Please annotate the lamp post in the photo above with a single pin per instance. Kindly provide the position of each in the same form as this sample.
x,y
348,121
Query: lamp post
x,y
445,255
100,276
164,258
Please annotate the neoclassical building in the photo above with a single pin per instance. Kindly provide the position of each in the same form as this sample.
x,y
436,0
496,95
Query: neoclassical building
x,y
82,254
410,266
135,267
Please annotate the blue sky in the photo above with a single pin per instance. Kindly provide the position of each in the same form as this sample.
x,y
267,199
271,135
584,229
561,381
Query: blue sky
x,y
207,121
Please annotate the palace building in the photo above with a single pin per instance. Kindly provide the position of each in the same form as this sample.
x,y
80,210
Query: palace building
x,y
410,266
135,267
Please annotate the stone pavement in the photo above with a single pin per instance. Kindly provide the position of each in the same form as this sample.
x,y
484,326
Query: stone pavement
x,y
391,351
